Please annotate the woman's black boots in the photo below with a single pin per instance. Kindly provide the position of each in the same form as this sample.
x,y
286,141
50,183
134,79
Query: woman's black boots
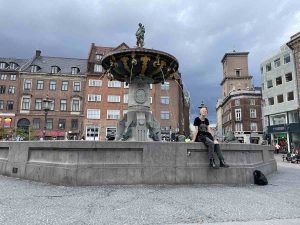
x,y
223,164
212,164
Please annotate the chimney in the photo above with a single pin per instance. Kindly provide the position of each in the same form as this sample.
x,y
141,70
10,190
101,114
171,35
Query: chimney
x,y
38,53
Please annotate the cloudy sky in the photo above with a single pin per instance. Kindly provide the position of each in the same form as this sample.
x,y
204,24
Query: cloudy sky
x,y
197,32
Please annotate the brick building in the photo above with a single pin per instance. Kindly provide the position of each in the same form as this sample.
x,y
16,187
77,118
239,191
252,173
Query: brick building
x,y
63,81
83,101
9,89
107,101
239,108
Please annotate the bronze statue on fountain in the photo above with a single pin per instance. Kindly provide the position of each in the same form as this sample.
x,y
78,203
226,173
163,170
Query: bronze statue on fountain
x,y
139,67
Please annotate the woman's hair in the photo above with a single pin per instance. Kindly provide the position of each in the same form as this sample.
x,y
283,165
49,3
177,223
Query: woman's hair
x,y
203,108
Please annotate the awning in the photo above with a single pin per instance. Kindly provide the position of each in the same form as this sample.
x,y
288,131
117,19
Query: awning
x,y
50,133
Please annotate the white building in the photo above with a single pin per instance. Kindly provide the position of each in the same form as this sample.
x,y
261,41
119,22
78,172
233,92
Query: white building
x,y
280,98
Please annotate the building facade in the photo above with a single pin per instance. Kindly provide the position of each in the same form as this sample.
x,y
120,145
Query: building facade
x,y
280,97
239,108
9,94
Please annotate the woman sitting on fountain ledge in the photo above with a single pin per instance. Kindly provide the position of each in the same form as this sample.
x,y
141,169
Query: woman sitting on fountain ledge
x,y
203,134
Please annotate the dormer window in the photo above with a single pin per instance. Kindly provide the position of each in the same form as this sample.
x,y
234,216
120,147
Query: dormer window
x,y
98,68
34,68
99,56
238,72
3,65
55,69
13,66
75,70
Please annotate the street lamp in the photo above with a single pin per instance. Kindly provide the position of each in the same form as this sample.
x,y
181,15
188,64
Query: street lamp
x,y
46,107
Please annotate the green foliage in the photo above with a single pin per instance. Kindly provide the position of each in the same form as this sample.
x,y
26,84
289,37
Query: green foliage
x,y
25,134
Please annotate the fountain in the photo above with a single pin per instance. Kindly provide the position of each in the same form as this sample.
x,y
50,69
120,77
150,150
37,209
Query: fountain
x,y
139,67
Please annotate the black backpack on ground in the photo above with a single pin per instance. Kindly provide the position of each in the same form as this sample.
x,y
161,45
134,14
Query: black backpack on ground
x,y
259,178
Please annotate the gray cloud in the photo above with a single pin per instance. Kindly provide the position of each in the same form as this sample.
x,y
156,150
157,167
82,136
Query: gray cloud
x,y
198,33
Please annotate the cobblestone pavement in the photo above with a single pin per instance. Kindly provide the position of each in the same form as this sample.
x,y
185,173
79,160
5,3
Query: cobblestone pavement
x,y
26,202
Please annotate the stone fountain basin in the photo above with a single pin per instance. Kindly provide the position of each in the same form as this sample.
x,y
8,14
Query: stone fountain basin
x,y
151,65
80,163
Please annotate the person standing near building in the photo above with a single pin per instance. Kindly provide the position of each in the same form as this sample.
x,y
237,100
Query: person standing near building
x,y
203,134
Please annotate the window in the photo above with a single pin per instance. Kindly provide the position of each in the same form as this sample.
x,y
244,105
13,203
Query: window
x,y
290,96
36,123
52,86
55,69
238,114
252,113
92,132
64,85
61,124
125,98
13,65
113,114
261,69
52,104
27,84
279,98
38,104
253,126
252,101
75,105
164,115
13,77
165,100
238,127
288,77
269,84
34,69
3,65
124,112
114,83
237,102
40,85
3,77
63,105
10,105
286,58
278,119
75,70
165,86
93,113
94,98
271,101
98,56
268,67
74,123
278,81
1,104
97,68
111,132
277,62
238,73
76,86
95,83
293,116
113,98
11,89
49,124
2,89
25,103
150,100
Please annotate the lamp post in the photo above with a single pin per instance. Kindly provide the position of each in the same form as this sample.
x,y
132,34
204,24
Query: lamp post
x,y
46,107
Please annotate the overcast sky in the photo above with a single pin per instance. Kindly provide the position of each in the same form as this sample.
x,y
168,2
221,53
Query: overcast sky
x,y
198,33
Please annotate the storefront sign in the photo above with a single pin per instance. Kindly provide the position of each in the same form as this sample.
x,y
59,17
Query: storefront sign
x,y
277,128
